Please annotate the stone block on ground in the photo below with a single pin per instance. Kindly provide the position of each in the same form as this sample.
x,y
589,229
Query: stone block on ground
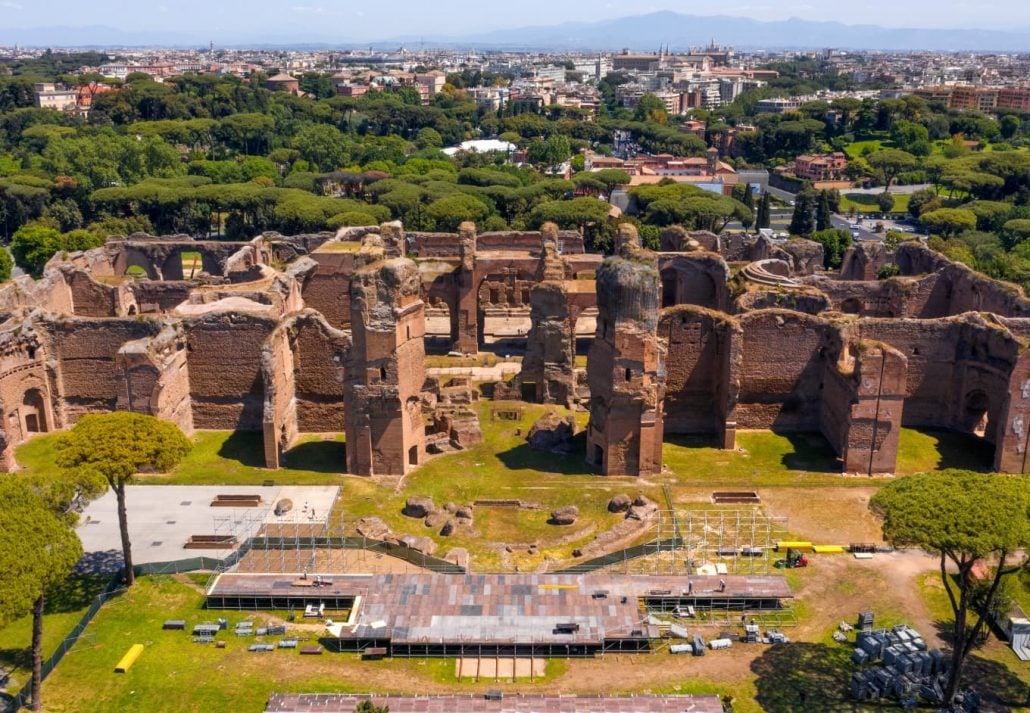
x,y
373,528
619,503
565,515
552,433
424,545
418,507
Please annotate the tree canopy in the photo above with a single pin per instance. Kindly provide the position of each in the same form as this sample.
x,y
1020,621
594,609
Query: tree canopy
x,y
965,519
117,446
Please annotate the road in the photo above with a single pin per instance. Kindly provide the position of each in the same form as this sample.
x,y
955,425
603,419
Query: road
x,y
839,221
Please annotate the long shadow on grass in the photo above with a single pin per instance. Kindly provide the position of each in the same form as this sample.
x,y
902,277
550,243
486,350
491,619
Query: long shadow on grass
x,y
812,453
803,677
1000,688
245,447
523,457
962,450
318,457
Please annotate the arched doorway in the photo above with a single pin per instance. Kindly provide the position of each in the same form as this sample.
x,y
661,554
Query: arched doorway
x,y
33,412
976,413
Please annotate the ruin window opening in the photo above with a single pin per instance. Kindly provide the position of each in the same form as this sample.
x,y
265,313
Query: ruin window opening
x,y
32,352
413,455
382,373
629,375
408,331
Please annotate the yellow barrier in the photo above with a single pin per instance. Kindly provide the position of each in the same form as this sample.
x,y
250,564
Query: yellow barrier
x,y
784,546
827,549
129,658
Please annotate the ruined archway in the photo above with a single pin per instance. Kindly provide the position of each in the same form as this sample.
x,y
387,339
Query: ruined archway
x,y
852,305
976,413
33,412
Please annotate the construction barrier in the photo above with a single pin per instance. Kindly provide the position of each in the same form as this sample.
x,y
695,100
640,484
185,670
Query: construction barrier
x,y
129,658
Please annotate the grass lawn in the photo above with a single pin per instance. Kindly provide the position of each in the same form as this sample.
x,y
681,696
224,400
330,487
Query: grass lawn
x,y
861,148
502,467
173,674
224,458
866,203
64,607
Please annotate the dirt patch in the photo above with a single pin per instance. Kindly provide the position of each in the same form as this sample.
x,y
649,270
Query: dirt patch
x,y
828,516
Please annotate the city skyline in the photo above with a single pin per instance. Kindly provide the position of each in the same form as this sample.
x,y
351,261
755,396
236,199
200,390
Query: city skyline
x,y
353,22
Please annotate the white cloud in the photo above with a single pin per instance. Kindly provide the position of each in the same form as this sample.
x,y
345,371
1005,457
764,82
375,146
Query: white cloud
x,y
11,5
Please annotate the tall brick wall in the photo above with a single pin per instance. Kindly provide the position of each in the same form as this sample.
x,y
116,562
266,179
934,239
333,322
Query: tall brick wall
x,y
386,369
784,356
154,376
625,366
226,384
87,351
702,370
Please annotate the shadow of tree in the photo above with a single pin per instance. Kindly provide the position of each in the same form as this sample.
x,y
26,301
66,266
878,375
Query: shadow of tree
x,y
804,677
245,447
318,457
75,593
106,563
1000,688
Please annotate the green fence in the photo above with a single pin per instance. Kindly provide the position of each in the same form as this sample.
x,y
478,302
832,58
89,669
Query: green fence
x,y
630,553
113,588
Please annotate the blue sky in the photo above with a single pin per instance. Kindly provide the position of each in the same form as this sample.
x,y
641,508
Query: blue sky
x,y
361,20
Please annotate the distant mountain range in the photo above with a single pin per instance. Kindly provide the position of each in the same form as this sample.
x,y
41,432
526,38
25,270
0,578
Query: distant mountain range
x,y
640,32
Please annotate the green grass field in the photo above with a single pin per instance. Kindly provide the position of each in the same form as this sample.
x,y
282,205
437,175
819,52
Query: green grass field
x,y
861,148
64,607
866,203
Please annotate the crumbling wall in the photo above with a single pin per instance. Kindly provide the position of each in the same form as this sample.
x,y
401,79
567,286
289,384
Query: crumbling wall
x,y
386,369
698,278
863,395
154,377
91,298
226,383
758,296
26,395
467,317
702,370
279,418
50,293
863,260
320,357
86,351
550,357
784,357
625,366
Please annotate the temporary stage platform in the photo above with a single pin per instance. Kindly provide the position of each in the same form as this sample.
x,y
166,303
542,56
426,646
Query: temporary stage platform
x,y
498,614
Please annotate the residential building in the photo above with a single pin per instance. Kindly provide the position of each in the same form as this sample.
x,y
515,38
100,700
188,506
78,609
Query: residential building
x,y
821,167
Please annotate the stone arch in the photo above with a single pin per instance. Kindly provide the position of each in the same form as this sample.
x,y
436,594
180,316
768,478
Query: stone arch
x,y
33,412
851,305
135,263
172,268
976,411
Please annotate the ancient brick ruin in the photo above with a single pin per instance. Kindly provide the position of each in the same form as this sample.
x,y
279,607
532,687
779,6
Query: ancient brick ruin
x,y
327,333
